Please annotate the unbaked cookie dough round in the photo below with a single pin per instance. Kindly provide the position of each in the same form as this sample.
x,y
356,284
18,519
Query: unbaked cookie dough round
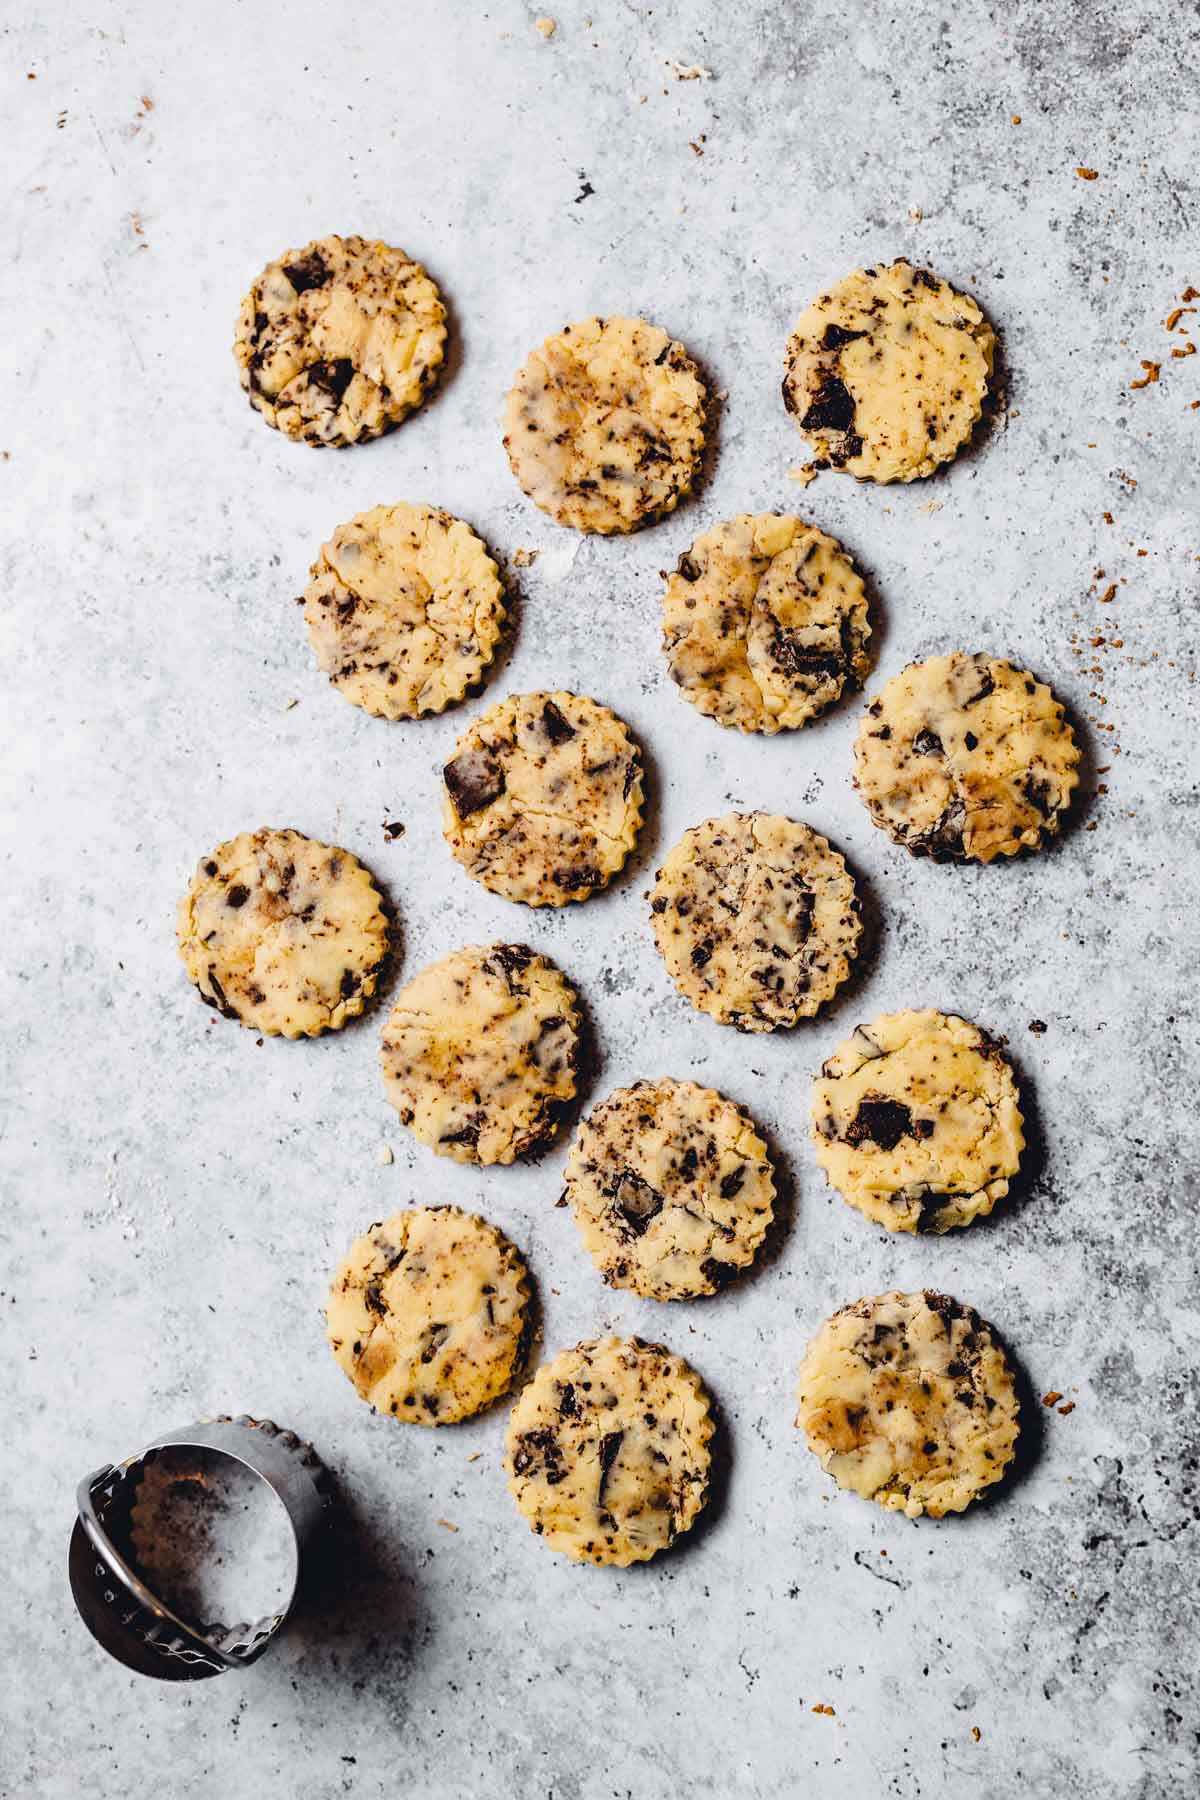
x,y
607,1451
404,610
756,918
480,1053
887,372
916,1122
909,1400
964,758
340,341
765,623
429,1315
284,934
543,798
604,426
672,1189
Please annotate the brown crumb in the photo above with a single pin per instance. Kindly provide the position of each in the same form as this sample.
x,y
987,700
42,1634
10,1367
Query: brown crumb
x,y
475,1456
695,147
1108,594
1087,174
446,1525
147,103
1173,318
525,559
1152,369
1180,351
1037,1026
1016,118
976,1733
1194,405
1107,517
31,76
827,1710
392,829
1189,293
1052,1398
547,27
1068,1408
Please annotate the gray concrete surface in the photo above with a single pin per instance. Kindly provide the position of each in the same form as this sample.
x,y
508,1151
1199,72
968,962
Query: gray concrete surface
x,y
175,1195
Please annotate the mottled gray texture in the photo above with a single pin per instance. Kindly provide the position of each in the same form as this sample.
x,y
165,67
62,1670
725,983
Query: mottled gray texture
x,y
176,1196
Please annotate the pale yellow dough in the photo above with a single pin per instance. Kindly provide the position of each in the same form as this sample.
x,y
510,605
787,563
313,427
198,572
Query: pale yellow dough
x,y
480,1053
339,341
964,758
909,1401
283,933
607,1451
428,1315
765,623
887,372
756,918
604,425
404,610
543,798
671,1187
915,1121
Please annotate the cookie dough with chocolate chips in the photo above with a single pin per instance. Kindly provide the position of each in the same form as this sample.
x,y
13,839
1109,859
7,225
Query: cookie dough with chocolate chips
x,y
543,798
404,610
429,1315
607,1451
909,1401
339,342
756,918
604,425
282,933
887,373
964,758
480,1053
765,623
672,1189
916,1122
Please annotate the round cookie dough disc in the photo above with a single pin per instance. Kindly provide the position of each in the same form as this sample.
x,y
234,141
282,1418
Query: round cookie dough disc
x,y
283,933
887,372
604,425
765,623
404,610
429,1315
909,1401
916,1122
756,918
964,758
480,1053
340,341
607,1451
543,798
671,1187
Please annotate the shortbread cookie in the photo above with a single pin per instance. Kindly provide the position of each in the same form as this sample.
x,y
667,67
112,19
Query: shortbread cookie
x,y
604,425
909,1401
283,933
340,341
607,1451
916,1121
543,798
765,623
672,1189
429,1315
964,758
756,918
404,609
887,372
480,1053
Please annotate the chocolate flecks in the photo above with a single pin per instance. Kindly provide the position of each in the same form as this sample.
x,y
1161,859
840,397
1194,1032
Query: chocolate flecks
x,y
834,336
373,1298
539,1453
332,377
513,959
555,725
309,272
717,1273
635,1200
794,658
688,567
237,895
474,780
884,1122
610,1445
469,1134
927,743
731,1184
349,984
832,409
1039,794
568,1405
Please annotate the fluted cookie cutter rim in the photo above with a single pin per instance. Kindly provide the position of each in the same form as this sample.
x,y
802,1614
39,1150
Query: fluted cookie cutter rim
x,y
116,1603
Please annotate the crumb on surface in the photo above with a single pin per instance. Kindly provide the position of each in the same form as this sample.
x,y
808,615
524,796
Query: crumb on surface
x,y
1152,371
446,1525
1052,1398
547,27
383,1155
1087,174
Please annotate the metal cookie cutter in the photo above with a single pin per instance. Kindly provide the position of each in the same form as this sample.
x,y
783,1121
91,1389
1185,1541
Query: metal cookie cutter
x,y
109,1582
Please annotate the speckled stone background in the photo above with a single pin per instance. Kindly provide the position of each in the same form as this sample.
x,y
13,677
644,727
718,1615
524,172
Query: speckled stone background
x,y
176,1194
